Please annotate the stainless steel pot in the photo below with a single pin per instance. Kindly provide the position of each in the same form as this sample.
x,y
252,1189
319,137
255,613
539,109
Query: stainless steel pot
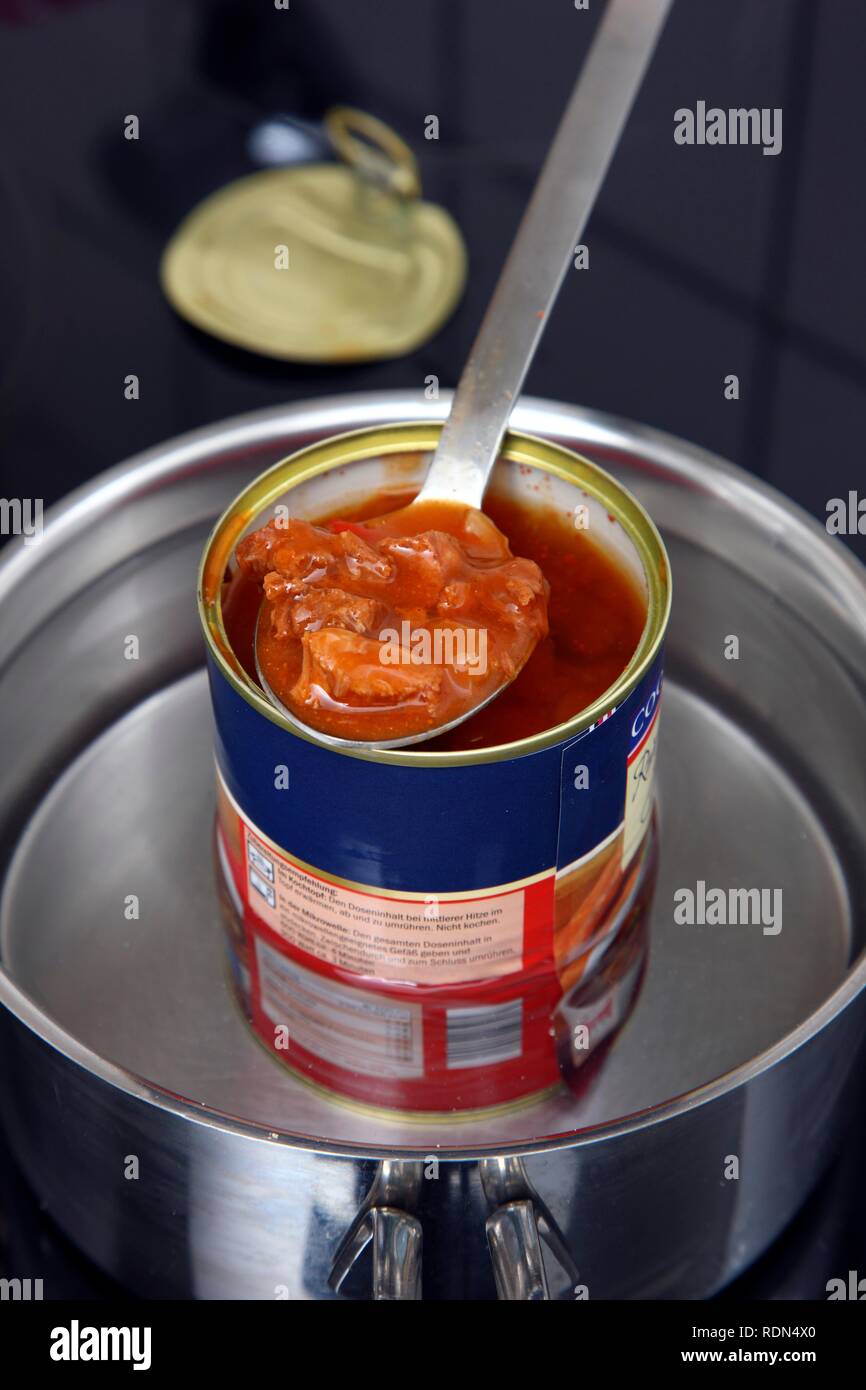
x,y
121,1041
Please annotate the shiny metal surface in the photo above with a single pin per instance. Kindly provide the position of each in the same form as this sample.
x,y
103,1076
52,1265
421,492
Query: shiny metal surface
x,y
385,1222
120,1036
543,249
515,1248
516,1227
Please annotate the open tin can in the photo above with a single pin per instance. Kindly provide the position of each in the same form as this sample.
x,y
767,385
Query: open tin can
x,y
416,929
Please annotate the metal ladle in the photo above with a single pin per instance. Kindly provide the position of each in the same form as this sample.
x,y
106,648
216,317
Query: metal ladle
x,y
530,281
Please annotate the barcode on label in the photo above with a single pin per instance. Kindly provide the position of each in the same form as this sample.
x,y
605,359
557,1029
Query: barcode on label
x,y
489,1033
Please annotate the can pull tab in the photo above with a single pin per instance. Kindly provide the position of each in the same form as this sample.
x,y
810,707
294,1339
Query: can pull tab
x,y
517,1230
374,150
386,1223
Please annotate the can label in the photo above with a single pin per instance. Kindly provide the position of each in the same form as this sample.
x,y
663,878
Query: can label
x,y
351,1029
406,1003
432,939
440,999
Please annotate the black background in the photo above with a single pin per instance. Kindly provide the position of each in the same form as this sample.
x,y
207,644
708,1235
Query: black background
x,y
703,260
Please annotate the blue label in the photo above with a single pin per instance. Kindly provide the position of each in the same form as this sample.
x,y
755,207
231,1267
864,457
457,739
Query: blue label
x,y
423,829
594,770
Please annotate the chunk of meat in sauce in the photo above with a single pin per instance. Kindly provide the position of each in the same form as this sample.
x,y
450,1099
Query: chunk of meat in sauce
x,y
344,667
294,610
306,554
380,631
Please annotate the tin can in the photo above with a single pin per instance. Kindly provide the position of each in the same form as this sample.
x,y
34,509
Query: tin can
x,y
404,924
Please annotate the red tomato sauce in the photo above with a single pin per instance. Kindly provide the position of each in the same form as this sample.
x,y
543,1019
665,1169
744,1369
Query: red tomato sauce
x,y
569,634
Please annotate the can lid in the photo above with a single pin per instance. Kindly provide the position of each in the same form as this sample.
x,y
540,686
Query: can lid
x,y
325,262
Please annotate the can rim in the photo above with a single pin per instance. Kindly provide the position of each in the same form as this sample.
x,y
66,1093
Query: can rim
x,y
355,446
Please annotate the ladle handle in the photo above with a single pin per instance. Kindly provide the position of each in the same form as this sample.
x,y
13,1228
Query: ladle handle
x,y
542,251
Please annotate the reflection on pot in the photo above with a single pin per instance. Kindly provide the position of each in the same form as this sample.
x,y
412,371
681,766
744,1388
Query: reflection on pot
x,y
601,996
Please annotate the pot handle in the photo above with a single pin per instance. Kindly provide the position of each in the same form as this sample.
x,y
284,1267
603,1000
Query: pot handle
x,y
515,1249
393,1232
397,1240
516,1228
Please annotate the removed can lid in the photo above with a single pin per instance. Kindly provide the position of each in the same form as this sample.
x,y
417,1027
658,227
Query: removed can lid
x,y
337,262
